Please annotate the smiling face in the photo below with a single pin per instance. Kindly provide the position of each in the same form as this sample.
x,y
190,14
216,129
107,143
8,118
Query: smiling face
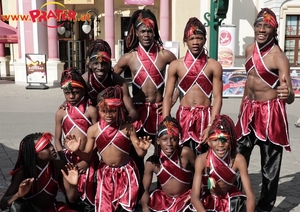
x,y
145,35
168,144
100,69
108,115
263,32
195,43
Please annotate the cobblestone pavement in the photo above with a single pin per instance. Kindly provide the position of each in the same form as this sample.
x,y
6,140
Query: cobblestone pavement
x,y
25,111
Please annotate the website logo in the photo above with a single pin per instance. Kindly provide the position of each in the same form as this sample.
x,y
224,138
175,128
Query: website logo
x,y
42,15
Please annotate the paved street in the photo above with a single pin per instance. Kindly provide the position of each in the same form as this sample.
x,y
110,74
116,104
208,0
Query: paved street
x,y
25,111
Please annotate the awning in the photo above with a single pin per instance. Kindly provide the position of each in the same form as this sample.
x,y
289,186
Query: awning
x,y
8,34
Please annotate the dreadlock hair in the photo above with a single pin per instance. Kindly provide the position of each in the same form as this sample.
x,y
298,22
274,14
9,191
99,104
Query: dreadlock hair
x,y
131,39
270,12
96,46
162,126
194,22
74,74
27,156
110,93
225,124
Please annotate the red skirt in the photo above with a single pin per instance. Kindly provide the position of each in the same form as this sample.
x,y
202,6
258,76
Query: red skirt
x,y
193,121
149,118
267,119
117,185
160,201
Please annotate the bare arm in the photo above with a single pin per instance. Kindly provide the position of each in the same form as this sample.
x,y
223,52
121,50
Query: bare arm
x,y
217,95
93,114
133,115
197,183
73,143
70,181
170,85
242,167
18,188
141,145
122,63
58,130
285,79
147,179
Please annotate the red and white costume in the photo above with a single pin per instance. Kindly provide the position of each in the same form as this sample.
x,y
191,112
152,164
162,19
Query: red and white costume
x,y
115,185
263,117
220,170
194,120
75,118
170,168
47,184
148,115
96,86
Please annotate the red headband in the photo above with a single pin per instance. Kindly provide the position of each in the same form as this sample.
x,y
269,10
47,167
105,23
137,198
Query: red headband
x,y
222,136
193,30
268,18
69,84
43,142
147,21
101,57
170,129
110,103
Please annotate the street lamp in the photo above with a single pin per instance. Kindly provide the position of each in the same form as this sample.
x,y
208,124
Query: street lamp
x,y
87,26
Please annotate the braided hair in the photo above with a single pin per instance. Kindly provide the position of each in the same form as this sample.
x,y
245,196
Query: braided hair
x,y
224,123
134,23
193,26
72,78
112,92
27,156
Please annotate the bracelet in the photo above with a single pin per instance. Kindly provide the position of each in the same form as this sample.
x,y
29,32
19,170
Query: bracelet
x,y
209,125
289,92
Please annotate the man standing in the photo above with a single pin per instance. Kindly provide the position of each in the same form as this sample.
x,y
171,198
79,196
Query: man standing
x,y
199,77
147,61
262,119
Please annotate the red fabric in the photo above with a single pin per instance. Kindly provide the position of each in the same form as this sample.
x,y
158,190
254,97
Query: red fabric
x,y
267,119
193,120
219,202
148,117
148,67
256,61
97,86
160,201
75,118
220,169
195,74
117,185
110,134
170,168
60,207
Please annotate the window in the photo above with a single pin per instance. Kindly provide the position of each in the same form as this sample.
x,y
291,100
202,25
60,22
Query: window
x,y
292,39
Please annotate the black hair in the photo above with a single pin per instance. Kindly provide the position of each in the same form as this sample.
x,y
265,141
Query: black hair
x,y
225,124
131,39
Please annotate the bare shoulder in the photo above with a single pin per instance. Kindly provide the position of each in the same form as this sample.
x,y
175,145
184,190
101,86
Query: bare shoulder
x,y
92,109
60,113
186,151
167,55
249,49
